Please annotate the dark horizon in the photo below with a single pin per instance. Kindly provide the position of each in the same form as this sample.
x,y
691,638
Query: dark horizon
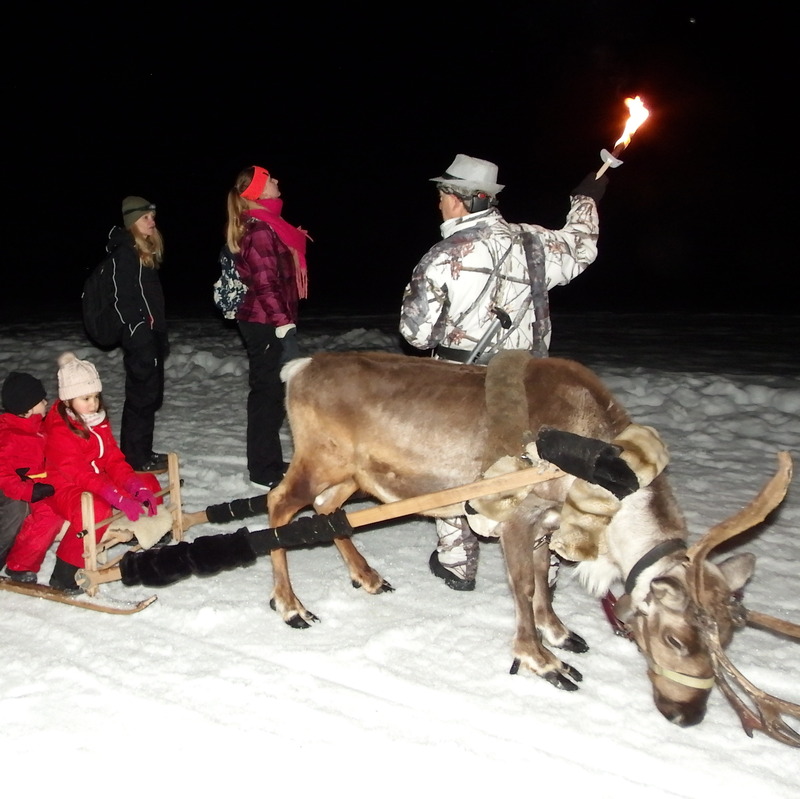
x,y
354,124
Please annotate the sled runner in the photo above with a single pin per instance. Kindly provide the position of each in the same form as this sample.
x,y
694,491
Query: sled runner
x,y
105,605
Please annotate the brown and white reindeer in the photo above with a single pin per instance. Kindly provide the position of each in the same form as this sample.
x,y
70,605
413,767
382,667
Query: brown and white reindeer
x,y
394,427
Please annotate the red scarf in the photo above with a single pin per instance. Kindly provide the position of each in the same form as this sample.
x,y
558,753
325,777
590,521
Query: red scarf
x,y
294,238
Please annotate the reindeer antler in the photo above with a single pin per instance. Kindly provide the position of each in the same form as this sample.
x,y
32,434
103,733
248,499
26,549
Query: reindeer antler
x,y
756,619
767,711
768,499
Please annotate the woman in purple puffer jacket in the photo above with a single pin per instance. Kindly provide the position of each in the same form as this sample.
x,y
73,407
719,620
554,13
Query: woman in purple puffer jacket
x,y
269,254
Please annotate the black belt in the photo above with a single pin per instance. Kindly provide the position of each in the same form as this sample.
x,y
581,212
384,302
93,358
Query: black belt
x,y
461,356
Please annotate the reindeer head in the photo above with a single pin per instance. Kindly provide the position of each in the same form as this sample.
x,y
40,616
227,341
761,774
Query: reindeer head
x,y
689,616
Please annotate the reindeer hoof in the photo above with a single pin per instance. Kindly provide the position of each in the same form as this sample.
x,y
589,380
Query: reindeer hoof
x,y
574,643
566,682
297,622
383,588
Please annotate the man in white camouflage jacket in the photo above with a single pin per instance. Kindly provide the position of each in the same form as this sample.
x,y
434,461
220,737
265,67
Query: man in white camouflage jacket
x,y
482,265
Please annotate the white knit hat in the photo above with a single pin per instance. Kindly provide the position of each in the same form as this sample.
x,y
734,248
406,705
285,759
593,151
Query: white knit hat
x,y
76,378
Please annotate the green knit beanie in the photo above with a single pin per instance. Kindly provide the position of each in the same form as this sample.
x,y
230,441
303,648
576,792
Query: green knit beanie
x,y
134,208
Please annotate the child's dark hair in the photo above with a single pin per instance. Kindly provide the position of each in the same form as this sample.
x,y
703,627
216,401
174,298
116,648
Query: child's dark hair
x,y
75,424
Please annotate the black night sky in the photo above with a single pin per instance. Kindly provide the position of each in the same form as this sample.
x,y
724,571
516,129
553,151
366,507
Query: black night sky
x,y
354,106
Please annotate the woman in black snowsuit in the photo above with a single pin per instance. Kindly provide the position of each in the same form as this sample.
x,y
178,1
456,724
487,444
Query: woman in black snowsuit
x,y
138,250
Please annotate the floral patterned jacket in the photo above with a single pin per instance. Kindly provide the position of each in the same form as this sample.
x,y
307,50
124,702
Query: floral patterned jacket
x,y
484,262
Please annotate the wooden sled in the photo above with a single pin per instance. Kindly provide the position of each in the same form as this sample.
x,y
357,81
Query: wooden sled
x,y
91,546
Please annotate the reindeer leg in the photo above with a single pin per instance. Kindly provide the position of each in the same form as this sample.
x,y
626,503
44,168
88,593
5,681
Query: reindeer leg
x,y
362,575
282,506
552,630
527,565
283,599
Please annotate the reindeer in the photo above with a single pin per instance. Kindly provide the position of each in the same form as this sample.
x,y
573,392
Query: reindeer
x,y
394,426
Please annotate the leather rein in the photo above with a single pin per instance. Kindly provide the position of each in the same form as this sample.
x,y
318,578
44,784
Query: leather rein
x,y
650,557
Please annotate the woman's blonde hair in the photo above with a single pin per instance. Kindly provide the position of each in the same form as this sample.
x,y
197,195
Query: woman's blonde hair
x,y
237,205
150,249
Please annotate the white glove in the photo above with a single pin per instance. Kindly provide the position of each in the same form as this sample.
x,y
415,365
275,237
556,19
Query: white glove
x,y
281,331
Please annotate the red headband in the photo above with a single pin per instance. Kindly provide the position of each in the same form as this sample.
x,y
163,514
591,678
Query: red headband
x,y
256,185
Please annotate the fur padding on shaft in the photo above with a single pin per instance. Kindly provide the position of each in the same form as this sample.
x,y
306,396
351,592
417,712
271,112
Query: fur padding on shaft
x,y
237,509
644,451
204,556
591,460
589,508
212,554
320,529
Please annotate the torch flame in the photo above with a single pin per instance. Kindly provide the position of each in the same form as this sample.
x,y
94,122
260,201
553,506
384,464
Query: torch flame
x,y
637,114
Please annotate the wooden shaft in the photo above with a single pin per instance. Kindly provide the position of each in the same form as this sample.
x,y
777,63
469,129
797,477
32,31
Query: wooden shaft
x,y
174,489
89,541
452,496
403,507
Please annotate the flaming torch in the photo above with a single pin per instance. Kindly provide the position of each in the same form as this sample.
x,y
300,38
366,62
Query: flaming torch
x,y
637,114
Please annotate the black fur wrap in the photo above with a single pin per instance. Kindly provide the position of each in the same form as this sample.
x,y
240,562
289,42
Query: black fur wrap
x,y
211,554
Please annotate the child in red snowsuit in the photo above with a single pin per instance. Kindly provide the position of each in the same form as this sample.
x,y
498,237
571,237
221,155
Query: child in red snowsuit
x,y
25,492
82,455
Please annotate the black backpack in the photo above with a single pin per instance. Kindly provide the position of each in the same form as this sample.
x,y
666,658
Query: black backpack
x,y
100,317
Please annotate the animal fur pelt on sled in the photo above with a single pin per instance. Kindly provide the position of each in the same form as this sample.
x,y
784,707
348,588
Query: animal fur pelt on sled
x,y
148,530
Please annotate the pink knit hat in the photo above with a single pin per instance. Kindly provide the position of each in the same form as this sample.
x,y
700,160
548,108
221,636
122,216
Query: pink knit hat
x,y
76,378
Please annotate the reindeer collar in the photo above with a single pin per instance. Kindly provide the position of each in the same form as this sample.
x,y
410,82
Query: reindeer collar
x,y
649,558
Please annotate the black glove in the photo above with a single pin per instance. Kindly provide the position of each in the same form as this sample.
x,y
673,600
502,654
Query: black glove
x,y
589,459
592,187
42,491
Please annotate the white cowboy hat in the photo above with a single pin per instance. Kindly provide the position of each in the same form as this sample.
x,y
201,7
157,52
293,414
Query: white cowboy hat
x,y
471,174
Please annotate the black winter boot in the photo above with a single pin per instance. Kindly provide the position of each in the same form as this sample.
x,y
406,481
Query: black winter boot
x,y
63,577
21,576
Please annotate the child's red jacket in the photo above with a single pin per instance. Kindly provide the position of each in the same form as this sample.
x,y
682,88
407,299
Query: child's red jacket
x,y
22,447
90,464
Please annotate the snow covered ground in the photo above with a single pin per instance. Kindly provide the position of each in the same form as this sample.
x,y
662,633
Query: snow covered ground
x,y
207,690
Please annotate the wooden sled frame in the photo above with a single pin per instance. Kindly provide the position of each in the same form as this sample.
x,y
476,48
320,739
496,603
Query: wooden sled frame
x,y
173,491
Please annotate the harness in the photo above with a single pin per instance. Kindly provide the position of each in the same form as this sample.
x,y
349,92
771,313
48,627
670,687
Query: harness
x,y
650,557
